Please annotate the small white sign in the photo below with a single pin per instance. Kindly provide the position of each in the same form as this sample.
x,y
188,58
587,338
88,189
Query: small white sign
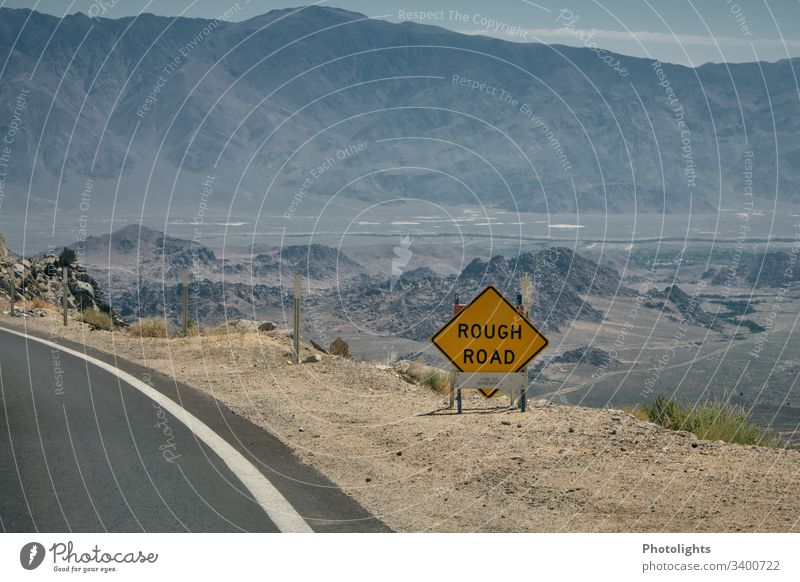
x,y
512,383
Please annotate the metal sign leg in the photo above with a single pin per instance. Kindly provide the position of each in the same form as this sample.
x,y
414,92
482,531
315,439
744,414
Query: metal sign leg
x,y
458,399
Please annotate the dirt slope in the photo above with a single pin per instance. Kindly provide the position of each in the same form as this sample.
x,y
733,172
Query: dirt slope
x,y
420,467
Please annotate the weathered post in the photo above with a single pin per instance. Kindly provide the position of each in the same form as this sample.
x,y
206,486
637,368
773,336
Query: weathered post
x,y
297,318
11,293
185,321
526,289
451,401
64,290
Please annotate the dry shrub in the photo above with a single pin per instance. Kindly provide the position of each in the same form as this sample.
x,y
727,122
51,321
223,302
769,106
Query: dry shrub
x,y
98,319
149,327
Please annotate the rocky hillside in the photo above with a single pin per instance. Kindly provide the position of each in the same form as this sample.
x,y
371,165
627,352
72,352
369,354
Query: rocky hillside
x,y
763,270
421,300
136,252
142,281
38,284
611,137
210,302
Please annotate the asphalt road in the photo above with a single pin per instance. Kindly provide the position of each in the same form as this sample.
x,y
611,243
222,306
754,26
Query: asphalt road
x,y
82,450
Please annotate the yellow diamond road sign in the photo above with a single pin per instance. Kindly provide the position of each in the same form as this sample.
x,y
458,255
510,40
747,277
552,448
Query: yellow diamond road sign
x,y
489,335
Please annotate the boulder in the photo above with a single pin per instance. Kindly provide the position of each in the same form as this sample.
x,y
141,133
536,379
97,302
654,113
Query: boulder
x,y
340,348
85,287
242,325
313,359
266,326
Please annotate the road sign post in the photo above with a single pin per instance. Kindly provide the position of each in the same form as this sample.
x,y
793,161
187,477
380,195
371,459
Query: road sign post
x,y
185,319
297,318
526,290
64,290
11,293
457,306
490,343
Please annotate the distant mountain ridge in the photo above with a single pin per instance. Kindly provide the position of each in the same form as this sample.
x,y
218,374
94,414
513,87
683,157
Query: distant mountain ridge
x,y
160,105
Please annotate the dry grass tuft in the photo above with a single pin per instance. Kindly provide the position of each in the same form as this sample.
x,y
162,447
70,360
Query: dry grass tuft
x,y
149,327
98,319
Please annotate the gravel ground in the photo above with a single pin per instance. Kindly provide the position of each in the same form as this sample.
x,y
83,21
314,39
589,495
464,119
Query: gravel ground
x,y
418,466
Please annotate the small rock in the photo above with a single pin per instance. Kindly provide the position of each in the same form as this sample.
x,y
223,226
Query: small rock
x,y
613,431
318,347
368,479
313,359
340,348
266,326
301,429
571,429
695,445
505,422
616,418
399,453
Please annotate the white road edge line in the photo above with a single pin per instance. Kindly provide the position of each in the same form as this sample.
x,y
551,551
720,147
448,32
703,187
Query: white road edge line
x,y
275,505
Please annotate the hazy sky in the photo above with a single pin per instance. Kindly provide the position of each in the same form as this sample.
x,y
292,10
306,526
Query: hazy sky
x,y
678,31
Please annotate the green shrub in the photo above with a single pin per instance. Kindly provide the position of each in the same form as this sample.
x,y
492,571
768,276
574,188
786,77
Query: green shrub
x,y
437,380
710,420
67,257
149,327
98,319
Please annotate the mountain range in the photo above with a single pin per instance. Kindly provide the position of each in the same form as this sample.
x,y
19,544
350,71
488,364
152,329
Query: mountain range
x,y
279,114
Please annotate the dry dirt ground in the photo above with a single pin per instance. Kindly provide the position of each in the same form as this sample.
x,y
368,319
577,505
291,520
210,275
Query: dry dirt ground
x,y
419,467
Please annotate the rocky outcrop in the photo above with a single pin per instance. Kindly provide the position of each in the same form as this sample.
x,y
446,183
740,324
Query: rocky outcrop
x,y
40,279
687,306
421,300
585,355
339,348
